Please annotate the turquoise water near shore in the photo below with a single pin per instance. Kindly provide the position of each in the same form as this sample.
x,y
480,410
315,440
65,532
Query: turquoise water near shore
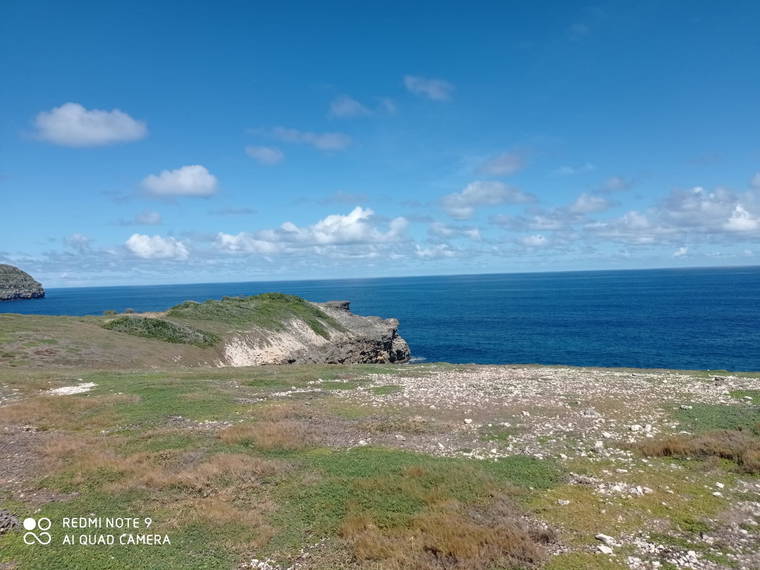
x,y
664,318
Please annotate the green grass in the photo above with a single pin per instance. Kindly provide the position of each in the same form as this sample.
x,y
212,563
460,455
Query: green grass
x,y
270,311
708,417
160,329
752,395
391,486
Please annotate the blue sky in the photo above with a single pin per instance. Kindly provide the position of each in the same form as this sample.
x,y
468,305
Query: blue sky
x,y
230,141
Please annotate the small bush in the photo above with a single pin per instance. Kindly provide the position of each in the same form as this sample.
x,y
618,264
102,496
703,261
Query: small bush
x,y
162,330
109,312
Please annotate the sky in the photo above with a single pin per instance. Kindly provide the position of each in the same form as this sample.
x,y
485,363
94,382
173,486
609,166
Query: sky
x,y
178,142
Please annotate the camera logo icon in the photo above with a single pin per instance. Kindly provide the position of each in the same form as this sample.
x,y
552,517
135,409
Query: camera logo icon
x,y
42,525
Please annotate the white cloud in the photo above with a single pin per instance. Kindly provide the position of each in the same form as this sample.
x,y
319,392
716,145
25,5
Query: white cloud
x,y
347,107
246,243
73,125
681,252
742,221
462,204
156,247
193,180
502,164
148,218
356,227
588,203
321,141
435,89
633,227
534,241
436,251
440,230
265,154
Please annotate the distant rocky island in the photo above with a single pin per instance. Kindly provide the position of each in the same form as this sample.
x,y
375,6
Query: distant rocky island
x,y
17,284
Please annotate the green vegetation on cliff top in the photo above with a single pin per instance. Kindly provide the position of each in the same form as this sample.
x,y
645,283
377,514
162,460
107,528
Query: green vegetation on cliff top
x,y
270,311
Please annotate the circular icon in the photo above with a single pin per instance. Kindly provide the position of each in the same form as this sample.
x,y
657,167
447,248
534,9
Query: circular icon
x,y
44,523
30,523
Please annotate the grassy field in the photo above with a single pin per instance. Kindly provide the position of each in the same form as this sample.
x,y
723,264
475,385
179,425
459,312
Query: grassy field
x,y
327,467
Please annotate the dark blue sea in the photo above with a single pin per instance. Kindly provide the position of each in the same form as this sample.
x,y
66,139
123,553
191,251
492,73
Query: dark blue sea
x,y
664,318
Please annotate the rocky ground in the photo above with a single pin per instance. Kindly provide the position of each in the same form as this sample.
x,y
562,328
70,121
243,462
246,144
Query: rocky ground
x,y
611,503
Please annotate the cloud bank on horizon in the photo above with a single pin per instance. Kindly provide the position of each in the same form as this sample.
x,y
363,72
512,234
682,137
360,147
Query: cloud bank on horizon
x,y
486,161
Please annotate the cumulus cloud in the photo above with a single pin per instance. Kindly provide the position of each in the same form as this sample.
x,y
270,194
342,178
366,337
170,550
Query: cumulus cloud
x,y
357,227
265,154
156,247
461,205
588,204
73,125
193,180
742,221
345,107
321,141
681,251
434,89
502,164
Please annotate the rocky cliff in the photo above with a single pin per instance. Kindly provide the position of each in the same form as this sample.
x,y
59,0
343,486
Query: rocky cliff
x,y
350,339
272,329
17,284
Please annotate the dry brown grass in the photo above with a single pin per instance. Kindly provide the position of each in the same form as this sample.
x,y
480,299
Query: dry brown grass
x,y
268,435
445,537
63,412
739,446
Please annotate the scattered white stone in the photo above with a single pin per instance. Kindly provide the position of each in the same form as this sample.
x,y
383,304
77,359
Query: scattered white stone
x,y
685,407
69,390
526,413
635,427
599,445
604,549
468,421
606,539
719,485
363,442
563,502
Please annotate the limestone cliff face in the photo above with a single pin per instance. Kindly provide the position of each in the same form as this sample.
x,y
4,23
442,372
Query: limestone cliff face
x,y
17,284
355,339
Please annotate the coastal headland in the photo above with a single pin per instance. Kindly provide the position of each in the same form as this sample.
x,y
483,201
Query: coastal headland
x,y
376,464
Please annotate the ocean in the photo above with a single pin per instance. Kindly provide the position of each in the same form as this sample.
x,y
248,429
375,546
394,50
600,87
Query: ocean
x,y
662,318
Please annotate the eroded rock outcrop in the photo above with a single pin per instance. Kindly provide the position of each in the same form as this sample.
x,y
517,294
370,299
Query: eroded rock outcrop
x,y
349,338
17,284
